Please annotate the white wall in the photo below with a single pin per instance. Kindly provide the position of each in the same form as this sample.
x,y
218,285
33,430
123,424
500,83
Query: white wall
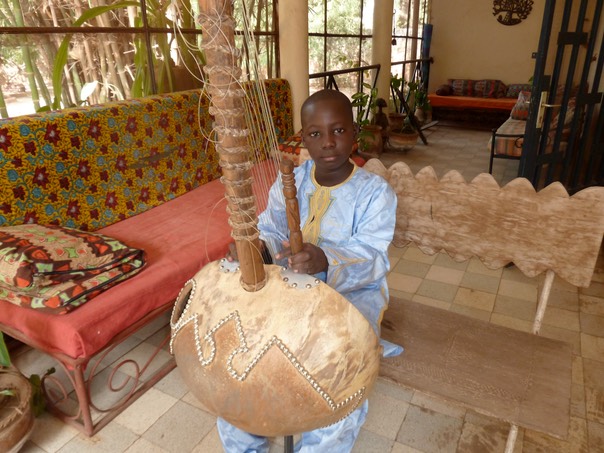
x,y
469,43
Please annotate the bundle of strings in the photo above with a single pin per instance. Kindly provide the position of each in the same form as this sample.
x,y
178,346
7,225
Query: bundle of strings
x,y
244,131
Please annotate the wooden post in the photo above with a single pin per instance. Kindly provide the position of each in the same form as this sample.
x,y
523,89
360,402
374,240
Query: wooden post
x,y
227,106
291,205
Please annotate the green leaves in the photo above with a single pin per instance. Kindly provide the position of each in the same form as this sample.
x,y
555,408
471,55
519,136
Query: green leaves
x,y
4,356
63,52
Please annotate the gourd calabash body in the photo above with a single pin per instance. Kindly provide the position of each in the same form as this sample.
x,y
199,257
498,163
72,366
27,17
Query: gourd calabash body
x,y
274,362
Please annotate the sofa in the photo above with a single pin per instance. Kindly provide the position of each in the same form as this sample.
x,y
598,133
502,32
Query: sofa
x,y
138,178
484,102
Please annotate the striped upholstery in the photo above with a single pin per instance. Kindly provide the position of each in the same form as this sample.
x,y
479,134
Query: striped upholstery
x,y
510,146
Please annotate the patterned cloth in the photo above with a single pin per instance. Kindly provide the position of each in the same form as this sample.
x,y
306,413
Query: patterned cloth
x,y
56,269
90,167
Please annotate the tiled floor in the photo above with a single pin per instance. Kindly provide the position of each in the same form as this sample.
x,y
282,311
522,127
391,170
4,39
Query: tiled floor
x,y
168,418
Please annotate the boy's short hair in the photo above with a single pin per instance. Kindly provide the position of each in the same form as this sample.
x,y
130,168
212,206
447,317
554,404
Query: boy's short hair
x,y
327,94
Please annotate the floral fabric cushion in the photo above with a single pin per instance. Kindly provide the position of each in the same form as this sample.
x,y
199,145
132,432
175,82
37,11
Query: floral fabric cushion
x,y
514,89
56,269
462,87
489,88
521,109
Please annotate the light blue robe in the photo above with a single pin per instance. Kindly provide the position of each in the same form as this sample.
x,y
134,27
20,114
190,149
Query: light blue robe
x,y
353,223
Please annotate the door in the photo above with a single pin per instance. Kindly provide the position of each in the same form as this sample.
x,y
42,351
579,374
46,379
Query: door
x,y
564,139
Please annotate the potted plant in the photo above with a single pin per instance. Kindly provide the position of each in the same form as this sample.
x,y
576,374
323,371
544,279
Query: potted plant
x,y
421,103
404,137
370,135
16,408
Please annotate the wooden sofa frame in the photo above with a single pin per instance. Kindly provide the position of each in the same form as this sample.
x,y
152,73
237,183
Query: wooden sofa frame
x,y
518,377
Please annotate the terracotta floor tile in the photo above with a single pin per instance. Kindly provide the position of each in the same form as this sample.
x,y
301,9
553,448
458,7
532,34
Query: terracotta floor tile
x,y
430,431
401,282
592,305
145,411
577,401
595,289
596,436
476,266
592,347
564,319
413,268
475,299
444,275
480,282
425,401
569,336
437,290
592,324
444,260
578,370
369,442
564,299
431,302
400,448
511,322
144,446
113,437
518,290
471,312
180,428
481,434
415,254
385,415
515,308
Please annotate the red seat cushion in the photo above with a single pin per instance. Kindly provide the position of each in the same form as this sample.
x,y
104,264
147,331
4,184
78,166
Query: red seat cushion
x,y
178,238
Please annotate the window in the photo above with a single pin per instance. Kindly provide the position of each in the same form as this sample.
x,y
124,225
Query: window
x,y
72,52
340,37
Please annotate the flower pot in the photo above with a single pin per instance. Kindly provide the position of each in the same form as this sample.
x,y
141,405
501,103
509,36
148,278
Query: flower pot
x,y
16,414
397,120
370,141
403,140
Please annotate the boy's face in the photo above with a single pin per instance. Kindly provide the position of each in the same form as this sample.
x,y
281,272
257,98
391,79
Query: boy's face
x,y
328,133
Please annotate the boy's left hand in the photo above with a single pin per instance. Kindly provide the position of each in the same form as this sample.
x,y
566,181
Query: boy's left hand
x,y
311,260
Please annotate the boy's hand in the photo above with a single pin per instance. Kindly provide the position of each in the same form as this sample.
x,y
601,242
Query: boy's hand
x,y
311,260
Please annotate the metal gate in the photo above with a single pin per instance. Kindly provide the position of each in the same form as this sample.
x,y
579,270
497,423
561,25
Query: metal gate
x,y
564,138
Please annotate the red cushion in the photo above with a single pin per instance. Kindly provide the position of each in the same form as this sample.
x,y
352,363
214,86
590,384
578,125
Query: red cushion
x,y
178,238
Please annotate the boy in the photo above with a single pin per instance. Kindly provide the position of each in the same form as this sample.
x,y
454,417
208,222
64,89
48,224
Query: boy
x,y
347,218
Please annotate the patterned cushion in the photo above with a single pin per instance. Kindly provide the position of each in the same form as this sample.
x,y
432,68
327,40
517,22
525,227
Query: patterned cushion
x,y
462,87
93,166
521,109
514,89
489,88
294,149
56,269
568,117
444,90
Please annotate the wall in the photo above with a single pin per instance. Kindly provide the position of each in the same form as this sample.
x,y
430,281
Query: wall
x,y
468,42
